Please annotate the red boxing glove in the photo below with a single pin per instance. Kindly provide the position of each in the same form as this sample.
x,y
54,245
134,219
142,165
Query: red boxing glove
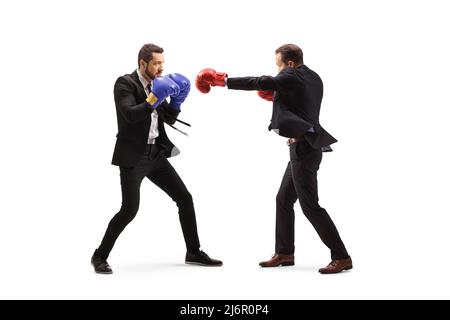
x,y
266,94
208,78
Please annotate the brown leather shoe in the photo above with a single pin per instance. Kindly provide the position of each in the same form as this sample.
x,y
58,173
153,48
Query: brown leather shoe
x,y
337,266
279,260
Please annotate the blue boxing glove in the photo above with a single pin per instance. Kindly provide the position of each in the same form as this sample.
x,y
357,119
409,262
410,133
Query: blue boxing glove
x,y
162,88
185,87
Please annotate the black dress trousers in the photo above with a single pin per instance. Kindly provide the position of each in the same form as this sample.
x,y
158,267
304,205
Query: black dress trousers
x,y
300,182
157,169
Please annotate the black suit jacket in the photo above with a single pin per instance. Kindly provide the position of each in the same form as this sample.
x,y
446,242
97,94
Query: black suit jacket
x,y
133,122
296,105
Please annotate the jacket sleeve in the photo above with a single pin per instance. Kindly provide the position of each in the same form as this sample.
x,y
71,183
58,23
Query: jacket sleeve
x,y
168,114
126,102
284,80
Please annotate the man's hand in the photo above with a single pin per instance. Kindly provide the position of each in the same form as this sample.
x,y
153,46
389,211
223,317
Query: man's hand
x,y
185,86
162,88
208,78
266,94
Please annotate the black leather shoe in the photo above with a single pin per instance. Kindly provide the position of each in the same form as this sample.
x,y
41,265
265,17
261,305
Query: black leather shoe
x,y
202,259
100,265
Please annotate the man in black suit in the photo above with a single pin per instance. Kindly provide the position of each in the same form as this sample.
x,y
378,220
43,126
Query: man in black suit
x,y
142,149
296,93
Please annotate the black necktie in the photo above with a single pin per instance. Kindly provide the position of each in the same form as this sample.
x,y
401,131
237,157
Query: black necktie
x,y
149,88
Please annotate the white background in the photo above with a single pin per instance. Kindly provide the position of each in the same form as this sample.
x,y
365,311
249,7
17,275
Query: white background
x,y
385,67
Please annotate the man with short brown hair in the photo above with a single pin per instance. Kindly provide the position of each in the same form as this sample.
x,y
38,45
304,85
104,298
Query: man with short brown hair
x,y
142,149
296,93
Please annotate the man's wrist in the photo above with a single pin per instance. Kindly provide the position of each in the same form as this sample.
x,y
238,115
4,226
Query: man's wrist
x,y
152,100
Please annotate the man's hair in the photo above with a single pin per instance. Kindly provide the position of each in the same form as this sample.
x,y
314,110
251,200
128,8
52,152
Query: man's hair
x,y
146,52
290,52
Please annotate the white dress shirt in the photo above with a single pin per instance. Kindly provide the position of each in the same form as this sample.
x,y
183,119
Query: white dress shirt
x,y
153,133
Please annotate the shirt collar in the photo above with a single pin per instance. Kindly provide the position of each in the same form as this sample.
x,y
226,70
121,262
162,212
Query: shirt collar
x,y
144,81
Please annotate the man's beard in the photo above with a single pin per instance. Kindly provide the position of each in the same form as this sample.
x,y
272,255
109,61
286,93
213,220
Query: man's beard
x,y
148,74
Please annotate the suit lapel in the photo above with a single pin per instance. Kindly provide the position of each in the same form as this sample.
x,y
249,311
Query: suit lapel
x,y
140,88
